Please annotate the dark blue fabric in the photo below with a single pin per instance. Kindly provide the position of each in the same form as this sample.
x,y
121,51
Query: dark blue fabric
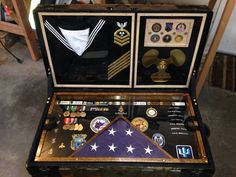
x,y
121,141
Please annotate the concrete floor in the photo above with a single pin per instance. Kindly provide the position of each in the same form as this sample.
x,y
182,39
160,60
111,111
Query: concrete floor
x,y
23,90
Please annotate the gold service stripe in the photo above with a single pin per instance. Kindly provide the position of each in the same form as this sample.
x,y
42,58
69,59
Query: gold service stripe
x,y
125,66
119,59
118,64
126,63
119,69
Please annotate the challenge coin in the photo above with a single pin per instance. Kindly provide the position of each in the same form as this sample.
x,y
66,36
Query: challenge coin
x,y
140,123
156,27
159,139
181,27
151,112
98,123
179,38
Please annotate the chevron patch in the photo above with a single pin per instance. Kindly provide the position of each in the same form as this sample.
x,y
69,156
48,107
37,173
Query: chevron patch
x,y
121,36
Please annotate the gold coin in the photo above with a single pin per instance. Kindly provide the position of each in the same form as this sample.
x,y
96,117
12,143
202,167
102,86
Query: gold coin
x,y
66,113
140,123
179,38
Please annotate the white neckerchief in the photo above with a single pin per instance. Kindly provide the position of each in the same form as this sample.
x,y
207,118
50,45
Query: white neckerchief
x,y
76,40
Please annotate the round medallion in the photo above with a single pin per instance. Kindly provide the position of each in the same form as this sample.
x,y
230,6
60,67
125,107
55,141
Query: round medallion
x,y
98,123
156,27
179,38
181,27
167,38
155,38
151,112
159,139
140,123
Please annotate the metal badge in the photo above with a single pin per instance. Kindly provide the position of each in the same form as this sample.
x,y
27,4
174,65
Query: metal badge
x,y
121,36
159,139
184,152
140,123
151,112
169,27
98,123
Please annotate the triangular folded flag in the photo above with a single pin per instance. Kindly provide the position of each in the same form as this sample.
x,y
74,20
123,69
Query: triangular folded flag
x,y
121,140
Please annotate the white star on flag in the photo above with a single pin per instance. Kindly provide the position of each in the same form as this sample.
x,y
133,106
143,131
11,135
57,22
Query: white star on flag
x,y
130,148
148,150
94,147
129,132
112,132
112,147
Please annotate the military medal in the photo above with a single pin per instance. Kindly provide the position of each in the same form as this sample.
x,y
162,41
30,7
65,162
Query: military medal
x,y
66,127
78,127
72,127
151,112
67,120
83,114
73,114
73,108
66,113
140,123
121,36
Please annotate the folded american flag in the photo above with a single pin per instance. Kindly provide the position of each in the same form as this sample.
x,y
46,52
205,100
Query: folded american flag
x,y
121,140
